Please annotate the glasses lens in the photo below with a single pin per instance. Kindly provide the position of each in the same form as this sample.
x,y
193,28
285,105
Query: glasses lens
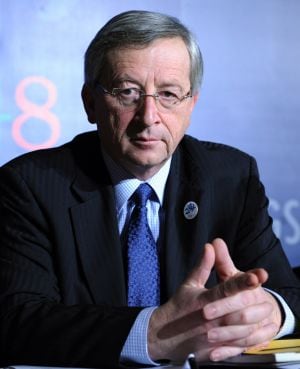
x,y
128,97
168,99
131,99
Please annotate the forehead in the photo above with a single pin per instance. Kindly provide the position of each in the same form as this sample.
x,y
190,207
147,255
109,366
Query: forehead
x,y
163,60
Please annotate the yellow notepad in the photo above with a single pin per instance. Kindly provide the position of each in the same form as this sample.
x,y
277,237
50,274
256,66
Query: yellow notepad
x,y
276,346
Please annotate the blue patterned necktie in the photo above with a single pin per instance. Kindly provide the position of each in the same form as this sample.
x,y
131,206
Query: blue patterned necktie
x,y
143,263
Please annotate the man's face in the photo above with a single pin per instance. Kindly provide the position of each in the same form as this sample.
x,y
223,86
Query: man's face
x,y
141,140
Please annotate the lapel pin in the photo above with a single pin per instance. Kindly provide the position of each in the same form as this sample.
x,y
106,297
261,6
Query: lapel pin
x,y
190,210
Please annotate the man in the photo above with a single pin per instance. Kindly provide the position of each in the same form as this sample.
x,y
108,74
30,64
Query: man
x,y
70,277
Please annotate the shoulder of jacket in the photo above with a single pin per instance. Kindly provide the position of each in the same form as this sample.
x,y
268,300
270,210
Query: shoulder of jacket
x,y
59,154
193,146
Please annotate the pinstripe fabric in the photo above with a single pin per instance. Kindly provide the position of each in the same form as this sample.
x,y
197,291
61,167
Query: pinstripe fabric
x,y
61,266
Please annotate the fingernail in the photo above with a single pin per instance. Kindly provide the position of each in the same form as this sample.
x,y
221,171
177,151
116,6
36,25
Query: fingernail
x,y
215,356
211,312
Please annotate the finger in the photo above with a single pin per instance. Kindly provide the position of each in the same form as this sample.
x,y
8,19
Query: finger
x,y
224,264
260,346
236,303
230,333
250,315
240,282
225,352
258,338
251,320
200,274
261,274
265,333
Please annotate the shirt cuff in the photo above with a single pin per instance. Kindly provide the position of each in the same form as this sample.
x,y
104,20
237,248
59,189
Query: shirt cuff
x,y
289,323
135,348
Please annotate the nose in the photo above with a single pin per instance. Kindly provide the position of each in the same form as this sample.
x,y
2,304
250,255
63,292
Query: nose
x,y
148,111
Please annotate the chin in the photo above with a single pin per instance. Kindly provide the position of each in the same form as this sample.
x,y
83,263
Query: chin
x,y
146,161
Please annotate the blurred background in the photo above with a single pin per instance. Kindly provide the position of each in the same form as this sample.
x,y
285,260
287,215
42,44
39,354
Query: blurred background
x,y
250,97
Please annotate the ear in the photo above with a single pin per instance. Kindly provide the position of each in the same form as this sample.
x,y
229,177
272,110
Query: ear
x,y
89,103
195,98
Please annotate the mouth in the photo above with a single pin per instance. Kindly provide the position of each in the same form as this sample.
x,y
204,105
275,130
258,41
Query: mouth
x,y
144,141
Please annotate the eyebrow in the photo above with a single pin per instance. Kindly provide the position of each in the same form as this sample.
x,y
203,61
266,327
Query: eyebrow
x,y
171,85
163,85
125,78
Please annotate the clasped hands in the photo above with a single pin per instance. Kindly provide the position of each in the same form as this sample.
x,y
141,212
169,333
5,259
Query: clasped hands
x,y
215,323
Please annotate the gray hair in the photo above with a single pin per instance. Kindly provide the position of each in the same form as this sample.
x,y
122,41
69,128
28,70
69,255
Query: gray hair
x,y
138,29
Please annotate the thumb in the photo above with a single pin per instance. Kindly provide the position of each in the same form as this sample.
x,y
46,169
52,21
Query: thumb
x,y
224,265
226,269
200,274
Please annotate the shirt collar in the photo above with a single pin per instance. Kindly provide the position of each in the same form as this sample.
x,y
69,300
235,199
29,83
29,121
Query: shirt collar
x,y
125,183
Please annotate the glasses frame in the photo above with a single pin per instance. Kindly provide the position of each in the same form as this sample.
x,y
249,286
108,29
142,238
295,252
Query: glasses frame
x,y
114,93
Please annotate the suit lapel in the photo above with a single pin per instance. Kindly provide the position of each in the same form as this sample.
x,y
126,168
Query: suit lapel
x,y
100,249
95,226
184,238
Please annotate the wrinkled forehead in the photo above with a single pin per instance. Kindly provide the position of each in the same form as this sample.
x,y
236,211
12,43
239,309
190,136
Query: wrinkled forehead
x,y
168,57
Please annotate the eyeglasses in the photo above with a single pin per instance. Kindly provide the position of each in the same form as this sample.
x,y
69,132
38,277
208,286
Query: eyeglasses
x,y
132,98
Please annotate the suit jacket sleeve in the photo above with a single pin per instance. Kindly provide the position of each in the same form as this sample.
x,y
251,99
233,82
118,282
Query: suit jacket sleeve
x,y
257,246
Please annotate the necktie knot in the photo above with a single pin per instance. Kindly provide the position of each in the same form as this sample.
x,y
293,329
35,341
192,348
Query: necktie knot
x,y
142,194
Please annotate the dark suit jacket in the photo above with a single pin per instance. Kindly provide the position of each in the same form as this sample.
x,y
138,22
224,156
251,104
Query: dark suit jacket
x,y
62,279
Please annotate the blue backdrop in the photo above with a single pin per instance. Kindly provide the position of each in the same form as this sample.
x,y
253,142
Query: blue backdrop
x,y
250,97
